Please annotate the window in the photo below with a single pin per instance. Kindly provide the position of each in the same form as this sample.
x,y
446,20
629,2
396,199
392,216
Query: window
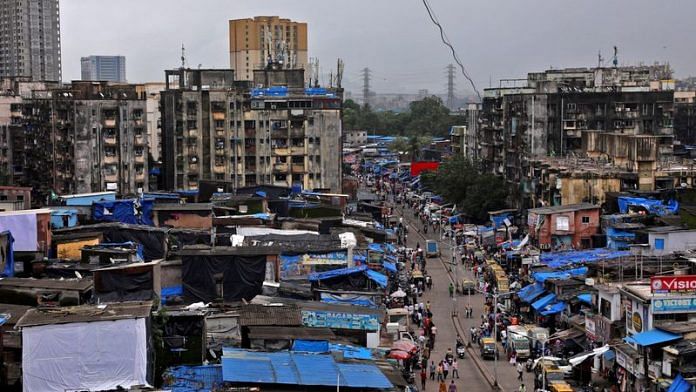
x,y
562,223
586,219
605,308
659,243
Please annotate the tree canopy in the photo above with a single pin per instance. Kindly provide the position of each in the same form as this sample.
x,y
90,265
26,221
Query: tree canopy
x,y
459,181
428,116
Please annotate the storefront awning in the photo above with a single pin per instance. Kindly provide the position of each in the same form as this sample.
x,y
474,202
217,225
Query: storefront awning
x,y
556,307
652,337
679,385
541,303
578,359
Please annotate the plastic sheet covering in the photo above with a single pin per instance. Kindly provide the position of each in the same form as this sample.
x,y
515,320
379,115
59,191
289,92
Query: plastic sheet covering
x,y
94,356
193,378
352,352
559,275
310,346
23,229
530,292
656,207
378,278
619,239
586,298
556,307
6,255
357,300
242,277
391,267
119,286
541,303
375,248
336,273
562,259
679,385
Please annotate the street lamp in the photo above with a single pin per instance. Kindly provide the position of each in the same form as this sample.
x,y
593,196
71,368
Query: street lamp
x,y
495,334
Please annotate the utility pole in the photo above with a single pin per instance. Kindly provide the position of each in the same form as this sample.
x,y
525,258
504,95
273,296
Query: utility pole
x,y
366,85
450,86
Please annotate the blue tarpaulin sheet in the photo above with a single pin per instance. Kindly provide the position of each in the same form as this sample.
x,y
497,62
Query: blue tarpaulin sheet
x,y
562,259
315,277
391,267
556,307
679,385
123,211
562,275
586,298
653,206
531,292
652,337
378,278
619,239
359,258
499,220
375,248
171,292
8,271
193,378
390,248
352,352
541,303
310,346
357,300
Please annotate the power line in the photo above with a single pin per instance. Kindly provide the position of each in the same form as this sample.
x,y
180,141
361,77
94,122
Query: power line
x,y
445,41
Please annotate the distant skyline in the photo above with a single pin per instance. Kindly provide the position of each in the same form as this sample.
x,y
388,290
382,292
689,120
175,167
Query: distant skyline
x,y
394,38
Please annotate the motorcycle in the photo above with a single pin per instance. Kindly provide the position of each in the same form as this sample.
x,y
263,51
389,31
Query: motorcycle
x,y
529,365
461,351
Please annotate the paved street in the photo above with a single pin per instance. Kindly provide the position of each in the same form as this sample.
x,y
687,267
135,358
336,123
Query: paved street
x,y
470,377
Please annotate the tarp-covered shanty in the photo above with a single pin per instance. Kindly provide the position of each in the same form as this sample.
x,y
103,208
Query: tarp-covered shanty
x,y
69,246
31,229
562,259
49,292
232,274
153,239
128,282
109,253
204,378
652,206
102,347
63,217
86,199
299,369
350,278
561,274
130,211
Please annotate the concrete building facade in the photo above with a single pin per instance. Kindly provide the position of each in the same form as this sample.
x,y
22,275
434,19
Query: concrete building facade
x,y
104,68
154,118
276,133
256,41
30,40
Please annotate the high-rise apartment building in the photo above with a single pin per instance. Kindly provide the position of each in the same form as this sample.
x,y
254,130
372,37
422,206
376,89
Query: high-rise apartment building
x,y
30,39
104,68
277,132
256,42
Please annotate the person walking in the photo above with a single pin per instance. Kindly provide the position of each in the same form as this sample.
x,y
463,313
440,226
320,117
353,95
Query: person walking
x,y
522,388
424,378
445,369
439,371
451,290
520,372
452,387
433,333
455,368
432,370
442,387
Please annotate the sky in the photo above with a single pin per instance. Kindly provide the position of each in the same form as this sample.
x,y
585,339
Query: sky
x,y
395,38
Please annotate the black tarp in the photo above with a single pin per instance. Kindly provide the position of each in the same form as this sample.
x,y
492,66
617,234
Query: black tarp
x,y
120,285
242,276
153,239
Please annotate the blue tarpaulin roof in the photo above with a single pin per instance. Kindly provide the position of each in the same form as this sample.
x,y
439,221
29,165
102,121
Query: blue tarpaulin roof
x,y
562,275
317,276
351,352
562,259
357,300
652,337
378,278
653,206
391,267
375,248
586,298
541,303
294,368
193,378
556,307
530,292
679,385
310,346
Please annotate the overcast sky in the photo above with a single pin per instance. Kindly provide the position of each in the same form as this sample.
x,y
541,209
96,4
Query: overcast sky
x,y
394,38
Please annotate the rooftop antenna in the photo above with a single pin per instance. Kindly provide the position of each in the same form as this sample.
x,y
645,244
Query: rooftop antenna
x,y
615,61
600,59
339,72
183,56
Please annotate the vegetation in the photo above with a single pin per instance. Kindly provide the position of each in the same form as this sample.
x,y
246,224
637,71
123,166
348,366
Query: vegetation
x,y
411,146
459,181
429,116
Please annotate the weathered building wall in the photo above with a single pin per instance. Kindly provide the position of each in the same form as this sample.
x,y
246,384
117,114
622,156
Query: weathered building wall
x,y
587,190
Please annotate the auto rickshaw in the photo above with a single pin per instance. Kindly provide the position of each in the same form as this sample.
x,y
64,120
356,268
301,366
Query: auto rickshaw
x,y
467,286
489,350
560,386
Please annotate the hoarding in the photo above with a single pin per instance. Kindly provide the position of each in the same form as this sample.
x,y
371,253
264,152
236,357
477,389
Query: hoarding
x,y
673,284
418,167
326,319
675,305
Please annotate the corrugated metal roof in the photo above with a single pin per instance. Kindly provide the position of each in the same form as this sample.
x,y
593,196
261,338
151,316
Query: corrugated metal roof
x,y
241,366
86,313
258,315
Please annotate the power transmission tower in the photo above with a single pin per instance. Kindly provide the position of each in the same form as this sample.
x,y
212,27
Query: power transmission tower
x,y
366,85
450,86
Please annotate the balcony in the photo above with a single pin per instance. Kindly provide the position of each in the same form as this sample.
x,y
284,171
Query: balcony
x,y
110,140
279,134
140,158
140,140
140,176
192,133
111,177
298,168
110,159
109,122
297,151
297,132
281,151
218,116
193,167
280,167
220,132
219,169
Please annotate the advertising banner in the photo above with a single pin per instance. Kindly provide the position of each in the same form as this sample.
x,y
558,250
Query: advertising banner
x,y
675,305
673,284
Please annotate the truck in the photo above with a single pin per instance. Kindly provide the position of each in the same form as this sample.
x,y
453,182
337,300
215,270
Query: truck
x,y
518,341
432,249
399,324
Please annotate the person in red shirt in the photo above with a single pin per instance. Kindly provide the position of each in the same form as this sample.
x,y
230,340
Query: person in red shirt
x,y
424,377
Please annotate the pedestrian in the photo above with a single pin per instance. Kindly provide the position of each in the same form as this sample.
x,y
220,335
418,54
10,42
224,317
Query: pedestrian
x,y
424,377
472,330
433,332
445,369
451,290
432,370
442,387
520,370
522,388
439,372
513,358
427,306
455,368
452,387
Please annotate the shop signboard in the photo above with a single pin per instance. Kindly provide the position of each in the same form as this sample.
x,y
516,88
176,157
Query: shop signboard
x,y
673,284
686,304
340,320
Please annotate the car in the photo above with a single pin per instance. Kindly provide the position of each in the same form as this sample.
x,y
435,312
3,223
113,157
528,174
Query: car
x,y
489,348
468,286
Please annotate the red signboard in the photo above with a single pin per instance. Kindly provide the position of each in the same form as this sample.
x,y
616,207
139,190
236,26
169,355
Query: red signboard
x,y
673,284
418,167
